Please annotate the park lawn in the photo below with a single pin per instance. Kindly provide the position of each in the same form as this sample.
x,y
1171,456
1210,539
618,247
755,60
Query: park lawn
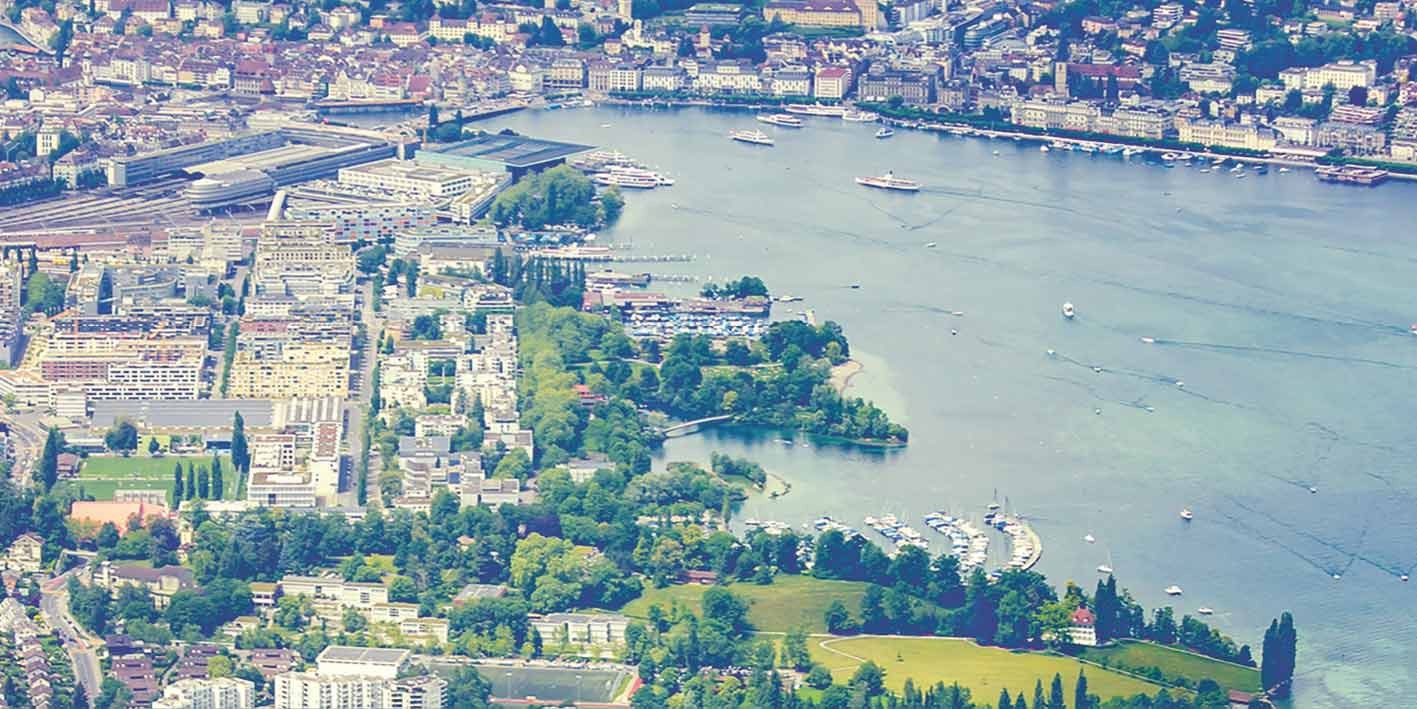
x,y
789,602
983,670
1136,655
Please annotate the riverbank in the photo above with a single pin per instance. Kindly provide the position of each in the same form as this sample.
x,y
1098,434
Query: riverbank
x,y
968,130
843,373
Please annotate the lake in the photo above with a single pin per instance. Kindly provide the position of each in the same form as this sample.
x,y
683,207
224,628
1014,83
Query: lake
x,y
1281,359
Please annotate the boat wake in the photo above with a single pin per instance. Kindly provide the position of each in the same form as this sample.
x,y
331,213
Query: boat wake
x,y
1217,347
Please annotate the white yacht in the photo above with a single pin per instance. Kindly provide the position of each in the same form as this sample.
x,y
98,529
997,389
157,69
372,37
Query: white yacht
x,y
1173,590
1069,311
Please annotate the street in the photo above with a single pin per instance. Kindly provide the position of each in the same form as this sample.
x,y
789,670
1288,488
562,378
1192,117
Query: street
x,y
80,644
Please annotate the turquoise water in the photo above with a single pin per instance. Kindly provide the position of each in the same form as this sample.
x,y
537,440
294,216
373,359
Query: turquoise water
x,y
1281,303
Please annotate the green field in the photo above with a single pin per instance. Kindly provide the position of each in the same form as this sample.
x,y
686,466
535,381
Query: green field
x,y
101,475
788,602
1136,656
984,670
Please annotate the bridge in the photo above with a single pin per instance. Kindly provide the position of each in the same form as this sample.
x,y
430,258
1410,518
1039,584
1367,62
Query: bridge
x,y
688,427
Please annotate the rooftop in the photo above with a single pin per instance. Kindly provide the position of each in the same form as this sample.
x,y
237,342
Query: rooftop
x,y
365,655
514,151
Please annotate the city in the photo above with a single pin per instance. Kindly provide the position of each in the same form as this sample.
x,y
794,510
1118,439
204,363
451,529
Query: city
x,y
346,361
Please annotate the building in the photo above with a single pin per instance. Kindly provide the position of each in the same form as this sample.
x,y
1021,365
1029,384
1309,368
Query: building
x,y
218,693
1250,136
814,13
11,315
163,582
581,628
916,87
375,662
1083,630
26,554
308,690
1213,78
1341,75
422,692
412,179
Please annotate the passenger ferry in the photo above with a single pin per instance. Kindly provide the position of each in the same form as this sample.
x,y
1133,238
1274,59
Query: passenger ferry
x,y
633,177
812,109
860,117
780,119
889,181
755,137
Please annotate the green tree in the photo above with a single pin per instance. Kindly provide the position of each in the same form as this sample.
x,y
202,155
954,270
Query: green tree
x,y
1081,699
204,484
794,650
49,459
869,678
122,438
240,456
217,482
153,446
178,492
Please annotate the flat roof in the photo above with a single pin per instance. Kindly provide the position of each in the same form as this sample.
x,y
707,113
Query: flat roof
x,y
367,655
515,151
199,413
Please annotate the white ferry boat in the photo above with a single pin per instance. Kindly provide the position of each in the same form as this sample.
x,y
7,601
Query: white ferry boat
x,y
889,181
754,137
780,119
812,109
633,177
860,117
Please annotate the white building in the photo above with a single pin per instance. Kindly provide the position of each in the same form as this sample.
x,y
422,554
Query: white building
x,y
219,693
307,690
1084,628
375,662
581,628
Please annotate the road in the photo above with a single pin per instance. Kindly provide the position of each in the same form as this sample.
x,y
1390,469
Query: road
x,y
361,377
80,644
26,440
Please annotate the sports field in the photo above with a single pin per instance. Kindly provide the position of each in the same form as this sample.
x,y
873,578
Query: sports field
x,y
554,684
787,603
101,475
984,670
1137,656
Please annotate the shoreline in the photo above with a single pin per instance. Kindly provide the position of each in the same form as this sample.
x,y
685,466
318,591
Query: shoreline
x,y
843,373
991,133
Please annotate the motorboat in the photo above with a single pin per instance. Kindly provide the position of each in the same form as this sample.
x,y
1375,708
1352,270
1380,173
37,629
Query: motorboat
x,y
1043,148
1148,340
1173,590
1069,311
860,116
1203,610
1104,569
1187,514
929,244
884,132
1090,539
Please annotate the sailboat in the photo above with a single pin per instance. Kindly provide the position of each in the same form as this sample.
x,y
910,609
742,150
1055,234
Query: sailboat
x,y
1107,567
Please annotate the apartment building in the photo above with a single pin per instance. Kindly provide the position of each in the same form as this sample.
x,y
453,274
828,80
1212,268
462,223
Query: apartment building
x,y
215,693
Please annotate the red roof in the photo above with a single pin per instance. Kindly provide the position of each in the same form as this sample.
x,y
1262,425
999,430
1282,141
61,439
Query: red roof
x,y
1083,616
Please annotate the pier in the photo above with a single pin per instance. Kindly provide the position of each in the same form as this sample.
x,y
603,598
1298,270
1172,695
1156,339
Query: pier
x,y
688,427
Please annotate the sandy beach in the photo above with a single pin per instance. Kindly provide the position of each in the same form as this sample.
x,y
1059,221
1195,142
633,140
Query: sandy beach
x,y
843,373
